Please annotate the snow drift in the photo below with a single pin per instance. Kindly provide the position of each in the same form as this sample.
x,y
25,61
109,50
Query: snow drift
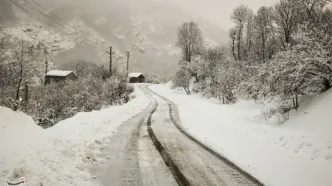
x,y
60,155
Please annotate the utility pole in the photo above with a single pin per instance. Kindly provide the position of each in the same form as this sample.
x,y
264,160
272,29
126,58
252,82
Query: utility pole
x,y
128,56
111,54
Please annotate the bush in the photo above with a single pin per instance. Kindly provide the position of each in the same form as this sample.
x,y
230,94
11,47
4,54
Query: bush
x,y
55,102
278,113
182,79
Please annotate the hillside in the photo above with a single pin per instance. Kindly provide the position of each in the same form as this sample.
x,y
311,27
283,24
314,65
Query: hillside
x,y
146,28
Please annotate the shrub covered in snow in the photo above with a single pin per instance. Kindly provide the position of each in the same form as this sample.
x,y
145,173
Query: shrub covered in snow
x,y
182,79
52,103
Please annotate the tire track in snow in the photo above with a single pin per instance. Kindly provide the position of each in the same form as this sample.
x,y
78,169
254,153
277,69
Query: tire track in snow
x,y
214,153
178,175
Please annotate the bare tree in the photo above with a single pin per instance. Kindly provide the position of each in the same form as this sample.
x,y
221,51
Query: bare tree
x,y
3,40
263,26
240,16
313,10
249,36
190,40
232,35
24,56
4,72
287,17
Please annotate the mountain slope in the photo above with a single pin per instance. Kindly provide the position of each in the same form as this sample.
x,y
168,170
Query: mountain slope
x,y
147,28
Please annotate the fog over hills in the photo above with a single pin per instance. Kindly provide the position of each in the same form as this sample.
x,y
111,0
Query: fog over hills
x,y
147,28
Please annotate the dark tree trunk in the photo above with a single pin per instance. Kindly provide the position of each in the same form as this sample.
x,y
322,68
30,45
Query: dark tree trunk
x,y
239,46
233,49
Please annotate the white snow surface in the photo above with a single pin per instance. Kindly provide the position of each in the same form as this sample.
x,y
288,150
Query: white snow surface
x,y
58,73
60,155
297,153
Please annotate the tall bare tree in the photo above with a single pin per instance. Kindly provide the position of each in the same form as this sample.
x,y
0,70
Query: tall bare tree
x,y
24,56
190,40
240,16
249,36
263,27
287,17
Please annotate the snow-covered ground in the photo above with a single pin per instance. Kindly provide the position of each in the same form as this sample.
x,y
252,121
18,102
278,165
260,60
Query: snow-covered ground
x,y
297,153
60,155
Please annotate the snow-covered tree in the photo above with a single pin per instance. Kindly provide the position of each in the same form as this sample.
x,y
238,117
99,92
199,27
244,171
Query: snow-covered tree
x,y
302,69
232,36
23,63
240,17
264,31
182,79
190,40
287,17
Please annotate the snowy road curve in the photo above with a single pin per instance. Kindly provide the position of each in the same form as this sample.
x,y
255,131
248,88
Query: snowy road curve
x,y
152,149
199,164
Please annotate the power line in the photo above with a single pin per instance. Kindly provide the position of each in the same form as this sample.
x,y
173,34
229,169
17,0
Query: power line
x,y
45,21
35,16
44,14
63,22
50,12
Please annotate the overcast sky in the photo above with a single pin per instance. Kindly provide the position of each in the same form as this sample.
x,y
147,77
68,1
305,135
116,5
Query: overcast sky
x,y
218,11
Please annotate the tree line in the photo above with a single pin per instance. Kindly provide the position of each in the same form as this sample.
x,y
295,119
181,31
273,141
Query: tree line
x,y
280,52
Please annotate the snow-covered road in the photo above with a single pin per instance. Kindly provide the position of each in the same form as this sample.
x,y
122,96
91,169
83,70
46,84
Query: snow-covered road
x,y
198,164
132,158
149,150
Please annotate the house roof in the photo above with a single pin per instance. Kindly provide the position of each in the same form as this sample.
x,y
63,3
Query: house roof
x,y
135,74
58,73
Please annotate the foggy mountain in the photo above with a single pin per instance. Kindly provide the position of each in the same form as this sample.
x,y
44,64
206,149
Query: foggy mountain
x,y
147,28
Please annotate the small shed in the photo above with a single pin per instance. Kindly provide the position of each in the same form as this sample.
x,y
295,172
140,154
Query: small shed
x,y
136,77
55,76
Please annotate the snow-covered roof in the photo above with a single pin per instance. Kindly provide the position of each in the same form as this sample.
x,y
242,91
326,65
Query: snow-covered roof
x,y
58,73
135,74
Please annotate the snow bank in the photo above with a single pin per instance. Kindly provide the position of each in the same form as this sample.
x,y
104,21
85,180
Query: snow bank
x,y
169,84
298,153
17,130
60,155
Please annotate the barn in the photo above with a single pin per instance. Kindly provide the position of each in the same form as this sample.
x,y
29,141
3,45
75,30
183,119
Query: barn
x,y
136,77
54,76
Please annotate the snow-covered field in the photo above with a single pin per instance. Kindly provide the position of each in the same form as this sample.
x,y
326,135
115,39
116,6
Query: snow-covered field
x,y
60,155
297,153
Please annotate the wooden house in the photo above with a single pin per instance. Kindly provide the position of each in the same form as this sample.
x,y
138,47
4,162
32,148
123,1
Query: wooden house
x,y
136,77
55,76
